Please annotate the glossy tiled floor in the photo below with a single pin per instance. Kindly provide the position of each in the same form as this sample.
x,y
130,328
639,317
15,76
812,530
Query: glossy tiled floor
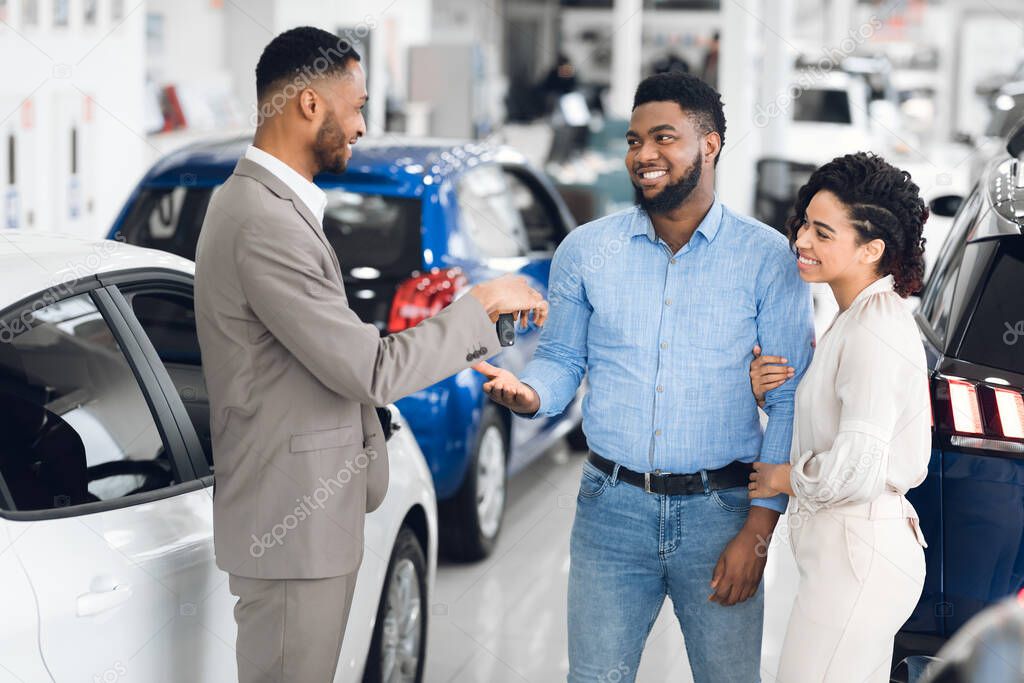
x,y
503,620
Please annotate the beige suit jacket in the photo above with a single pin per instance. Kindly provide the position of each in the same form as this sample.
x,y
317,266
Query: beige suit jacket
x,y
293,376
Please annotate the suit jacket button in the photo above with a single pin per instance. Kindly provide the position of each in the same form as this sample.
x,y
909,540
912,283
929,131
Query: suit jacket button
x,y
483,351
470,357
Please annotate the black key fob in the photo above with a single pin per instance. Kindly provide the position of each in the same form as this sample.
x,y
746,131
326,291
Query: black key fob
x,y
506,327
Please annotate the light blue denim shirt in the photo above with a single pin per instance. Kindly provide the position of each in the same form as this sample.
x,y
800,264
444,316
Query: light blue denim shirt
x,y
665,341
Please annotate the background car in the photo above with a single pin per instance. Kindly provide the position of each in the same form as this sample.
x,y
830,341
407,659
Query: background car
x,y
413,223
971,319
988,649
106,532
830,116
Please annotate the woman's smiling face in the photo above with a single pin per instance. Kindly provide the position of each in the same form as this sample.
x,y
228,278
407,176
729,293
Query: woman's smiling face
x,y
827,244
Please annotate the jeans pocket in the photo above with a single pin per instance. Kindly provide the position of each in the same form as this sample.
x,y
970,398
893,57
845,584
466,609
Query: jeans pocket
x,y
593,482
735,499
860,545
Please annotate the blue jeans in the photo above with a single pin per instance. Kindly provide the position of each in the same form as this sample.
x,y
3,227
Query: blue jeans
x,y
630,549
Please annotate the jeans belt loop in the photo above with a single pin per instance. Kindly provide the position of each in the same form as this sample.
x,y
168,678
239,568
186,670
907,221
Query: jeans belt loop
x,y
615,474
704,480
647,482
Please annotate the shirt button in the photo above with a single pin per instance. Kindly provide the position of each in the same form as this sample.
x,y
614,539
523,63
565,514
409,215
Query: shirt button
x,y
668,302
672,261
664,345
657,432
661,389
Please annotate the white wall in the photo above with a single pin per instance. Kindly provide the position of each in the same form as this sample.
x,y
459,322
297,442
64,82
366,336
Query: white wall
x,y
480,22
86,77
393,26
193,48
740,54
93,78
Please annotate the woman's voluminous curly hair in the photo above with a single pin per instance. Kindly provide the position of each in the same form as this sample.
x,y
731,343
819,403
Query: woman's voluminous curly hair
x,y
882,203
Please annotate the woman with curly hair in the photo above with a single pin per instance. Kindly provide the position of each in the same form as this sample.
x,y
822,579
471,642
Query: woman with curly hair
x,y
861,432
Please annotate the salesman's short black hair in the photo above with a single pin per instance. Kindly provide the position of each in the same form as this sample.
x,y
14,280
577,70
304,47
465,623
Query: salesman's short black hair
x,y
301,54
695,97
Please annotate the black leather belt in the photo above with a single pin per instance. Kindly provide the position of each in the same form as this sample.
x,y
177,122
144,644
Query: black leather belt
x,y
732,475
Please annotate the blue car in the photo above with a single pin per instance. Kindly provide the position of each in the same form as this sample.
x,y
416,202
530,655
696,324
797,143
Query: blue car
x,y
971,320
413,222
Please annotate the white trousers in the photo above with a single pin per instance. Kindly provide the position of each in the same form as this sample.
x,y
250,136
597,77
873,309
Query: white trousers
x,y
861,574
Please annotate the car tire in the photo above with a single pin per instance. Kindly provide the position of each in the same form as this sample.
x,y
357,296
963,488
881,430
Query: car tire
x,y
577,440
471,520
399,645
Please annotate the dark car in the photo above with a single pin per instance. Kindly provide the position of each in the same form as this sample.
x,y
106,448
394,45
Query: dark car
x,y
413,223
971,318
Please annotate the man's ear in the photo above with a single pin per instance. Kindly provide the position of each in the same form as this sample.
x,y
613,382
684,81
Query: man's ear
x,y
712,146
309,103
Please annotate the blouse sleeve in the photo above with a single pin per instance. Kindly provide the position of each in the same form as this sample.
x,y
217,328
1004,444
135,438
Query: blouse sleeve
x,y
874,374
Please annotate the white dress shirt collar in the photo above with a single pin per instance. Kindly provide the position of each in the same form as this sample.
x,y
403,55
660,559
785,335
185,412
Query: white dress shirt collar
x,y
311,195
882,284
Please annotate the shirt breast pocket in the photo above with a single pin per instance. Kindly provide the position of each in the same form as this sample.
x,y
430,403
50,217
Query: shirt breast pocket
x,y
721,321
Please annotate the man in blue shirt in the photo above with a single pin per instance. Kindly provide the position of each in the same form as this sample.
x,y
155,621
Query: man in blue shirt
x,y
660,306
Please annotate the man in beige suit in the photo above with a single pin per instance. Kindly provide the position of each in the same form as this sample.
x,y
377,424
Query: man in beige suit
x,y
293,374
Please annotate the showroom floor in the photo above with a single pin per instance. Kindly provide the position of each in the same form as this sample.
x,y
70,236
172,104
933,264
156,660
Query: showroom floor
x,y
503,620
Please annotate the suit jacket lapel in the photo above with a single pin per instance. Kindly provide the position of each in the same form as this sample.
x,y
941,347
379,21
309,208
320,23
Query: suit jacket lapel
x,y
251,169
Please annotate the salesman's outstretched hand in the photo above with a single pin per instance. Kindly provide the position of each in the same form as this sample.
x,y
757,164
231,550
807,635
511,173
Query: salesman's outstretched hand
x,y
511,294
505,388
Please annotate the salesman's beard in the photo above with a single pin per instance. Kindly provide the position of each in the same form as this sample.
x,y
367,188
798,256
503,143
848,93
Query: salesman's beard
x,y
330,146
674,194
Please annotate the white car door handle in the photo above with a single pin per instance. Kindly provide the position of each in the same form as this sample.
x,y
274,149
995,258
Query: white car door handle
x,y
96,602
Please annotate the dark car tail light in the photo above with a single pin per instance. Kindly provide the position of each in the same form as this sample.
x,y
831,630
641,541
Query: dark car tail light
x,y
422,296
977,415
966,412
1010,409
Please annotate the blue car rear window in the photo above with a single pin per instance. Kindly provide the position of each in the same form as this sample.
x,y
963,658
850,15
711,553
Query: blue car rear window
x,y
366,230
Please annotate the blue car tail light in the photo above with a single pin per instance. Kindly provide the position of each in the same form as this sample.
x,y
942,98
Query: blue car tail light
x,y
422,296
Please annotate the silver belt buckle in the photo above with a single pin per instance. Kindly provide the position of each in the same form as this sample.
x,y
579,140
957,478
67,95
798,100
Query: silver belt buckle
x,y
647,480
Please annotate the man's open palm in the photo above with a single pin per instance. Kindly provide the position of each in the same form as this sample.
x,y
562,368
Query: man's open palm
x,y
505,388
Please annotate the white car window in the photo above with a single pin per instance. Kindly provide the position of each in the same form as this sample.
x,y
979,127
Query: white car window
x,y
75,425
168,316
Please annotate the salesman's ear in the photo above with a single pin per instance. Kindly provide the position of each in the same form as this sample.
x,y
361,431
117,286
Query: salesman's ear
x,y
309,103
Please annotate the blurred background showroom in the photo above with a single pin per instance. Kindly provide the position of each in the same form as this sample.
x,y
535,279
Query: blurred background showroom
x,y
120,118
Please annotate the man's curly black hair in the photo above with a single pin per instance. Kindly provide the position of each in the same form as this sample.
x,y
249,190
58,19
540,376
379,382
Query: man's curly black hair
x,y
301,54
882,203
694,96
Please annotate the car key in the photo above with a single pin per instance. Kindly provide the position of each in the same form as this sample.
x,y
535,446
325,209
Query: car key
x,y
506,327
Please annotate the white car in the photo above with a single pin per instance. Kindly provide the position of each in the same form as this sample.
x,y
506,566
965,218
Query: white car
x,y
830,117
107,568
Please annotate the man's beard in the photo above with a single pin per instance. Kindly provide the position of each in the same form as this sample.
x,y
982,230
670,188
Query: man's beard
x,y
674,194
329,148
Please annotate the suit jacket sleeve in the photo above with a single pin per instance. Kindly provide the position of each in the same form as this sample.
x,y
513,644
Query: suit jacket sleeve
x,y
280,269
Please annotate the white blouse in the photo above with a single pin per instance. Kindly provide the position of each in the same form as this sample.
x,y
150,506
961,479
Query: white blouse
x,y
862,421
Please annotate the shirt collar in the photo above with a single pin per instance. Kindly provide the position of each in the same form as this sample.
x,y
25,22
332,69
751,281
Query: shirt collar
x,y
709,226
311,195
882,284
